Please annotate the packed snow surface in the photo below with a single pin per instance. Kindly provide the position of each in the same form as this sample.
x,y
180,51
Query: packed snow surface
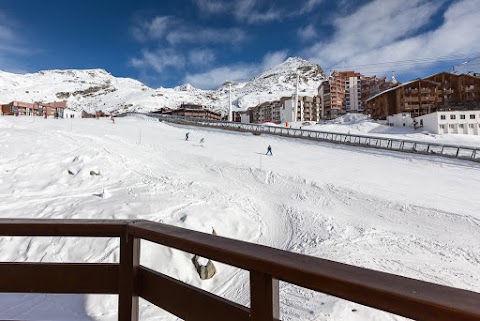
x,y
360,124
412,215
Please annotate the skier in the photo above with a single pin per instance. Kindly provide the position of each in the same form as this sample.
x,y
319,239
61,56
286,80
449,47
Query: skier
x,y
269,150
113,119
202,140
186,136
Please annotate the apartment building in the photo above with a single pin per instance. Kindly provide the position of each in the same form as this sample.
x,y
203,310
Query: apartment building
x,y
34,109
423,96
456,88
417,97
347,91
307,109
285,110
372,85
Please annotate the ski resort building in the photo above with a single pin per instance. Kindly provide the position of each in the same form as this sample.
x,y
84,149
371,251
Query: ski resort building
x,y
443,121
306,109
443,103
191,110
34,109
285,110
424,96
347,91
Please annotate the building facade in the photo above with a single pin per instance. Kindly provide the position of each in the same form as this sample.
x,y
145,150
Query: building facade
x,y
424,96
191,110
285,110
347,91
461,121
34,109
307,109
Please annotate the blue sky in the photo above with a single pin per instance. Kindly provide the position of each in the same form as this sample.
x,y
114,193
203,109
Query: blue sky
x,y
168,43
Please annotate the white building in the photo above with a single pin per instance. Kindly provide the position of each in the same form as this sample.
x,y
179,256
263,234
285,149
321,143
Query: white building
x,y
245,117
353,91
465,122
288,112
307,109
400,120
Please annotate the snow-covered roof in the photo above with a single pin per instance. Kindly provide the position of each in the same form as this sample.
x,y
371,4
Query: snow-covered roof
x,y
399,86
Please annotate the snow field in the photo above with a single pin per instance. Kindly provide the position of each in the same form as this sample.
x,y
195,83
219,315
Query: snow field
x,y
410,215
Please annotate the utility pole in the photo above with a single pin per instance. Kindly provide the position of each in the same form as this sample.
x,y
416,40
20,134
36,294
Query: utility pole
x,y
296,100
230,116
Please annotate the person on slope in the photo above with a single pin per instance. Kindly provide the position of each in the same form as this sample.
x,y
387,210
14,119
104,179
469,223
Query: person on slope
x,y
269,150
113,119
186,136
202,140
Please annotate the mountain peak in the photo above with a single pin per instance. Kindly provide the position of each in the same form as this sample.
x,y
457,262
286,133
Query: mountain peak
x,y
471,67
185,87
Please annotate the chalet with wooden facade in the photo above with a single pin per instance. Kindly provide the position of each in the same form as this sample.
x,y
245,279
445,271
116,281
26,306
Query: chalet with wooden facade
x,y
423,96
191,110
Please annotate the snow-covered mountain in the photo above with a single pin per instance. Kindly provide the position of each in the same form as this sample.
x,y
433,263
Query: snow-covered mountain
x,y
470,67
96,89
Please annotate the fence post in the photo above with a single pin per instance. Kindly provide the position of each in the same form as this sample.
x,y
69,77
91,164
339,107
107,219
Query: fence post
x,y
127,291
264,299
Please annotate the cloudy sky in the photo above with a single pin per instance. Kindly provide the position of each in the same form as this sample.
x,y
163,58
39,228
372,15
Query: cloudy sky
x,y
205,42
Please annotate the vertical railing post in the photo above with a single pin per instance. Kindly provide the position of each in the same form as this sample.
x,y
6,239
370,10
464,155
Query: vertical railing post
x,y
127,291
264,300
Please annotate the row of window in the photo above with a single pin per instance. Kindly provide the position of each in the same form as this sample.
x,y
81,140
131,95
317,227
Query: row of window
x,y
452,126
443,117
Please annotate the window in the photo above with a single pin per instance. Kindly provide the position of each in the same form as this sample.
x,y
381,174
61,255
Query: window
x,y
462,116
451,126
470,126
443,117
461,125
453,117
403,124
472,116
442,126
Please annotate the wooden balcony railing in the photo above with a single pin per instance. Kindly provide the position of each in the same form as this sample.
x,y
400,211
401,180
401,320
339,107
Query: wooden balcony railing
x,y
129,280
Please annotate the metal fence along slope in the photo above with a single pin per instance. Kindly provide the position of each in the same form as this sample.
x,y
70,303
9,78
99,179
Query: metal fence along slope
x,y
401,145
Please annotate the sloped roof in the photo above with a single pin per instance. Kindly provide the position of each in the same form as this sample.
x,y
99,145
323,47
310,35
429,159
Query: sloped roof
x,y
402,85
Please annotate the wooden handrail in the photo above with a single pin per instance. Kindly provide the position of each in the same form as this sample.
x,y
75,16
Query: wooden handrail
x,y
403,296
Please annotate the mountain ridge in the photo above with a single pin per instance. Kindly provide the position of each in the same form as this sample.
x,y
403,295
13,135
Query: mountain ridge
x,y
97,89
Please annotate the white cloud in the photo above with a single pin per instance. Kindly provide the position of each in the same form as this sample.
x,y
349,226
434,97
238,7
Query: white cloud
x,y
159,26
158,60
385,31
256,11
271,59
235,72
176,31
248,11
212,6
309,6
201,57
307,33
11,46
205,35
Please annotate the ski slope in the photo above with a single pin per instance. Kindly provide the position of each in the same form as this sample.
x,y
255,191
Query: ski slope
x,y
412,215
